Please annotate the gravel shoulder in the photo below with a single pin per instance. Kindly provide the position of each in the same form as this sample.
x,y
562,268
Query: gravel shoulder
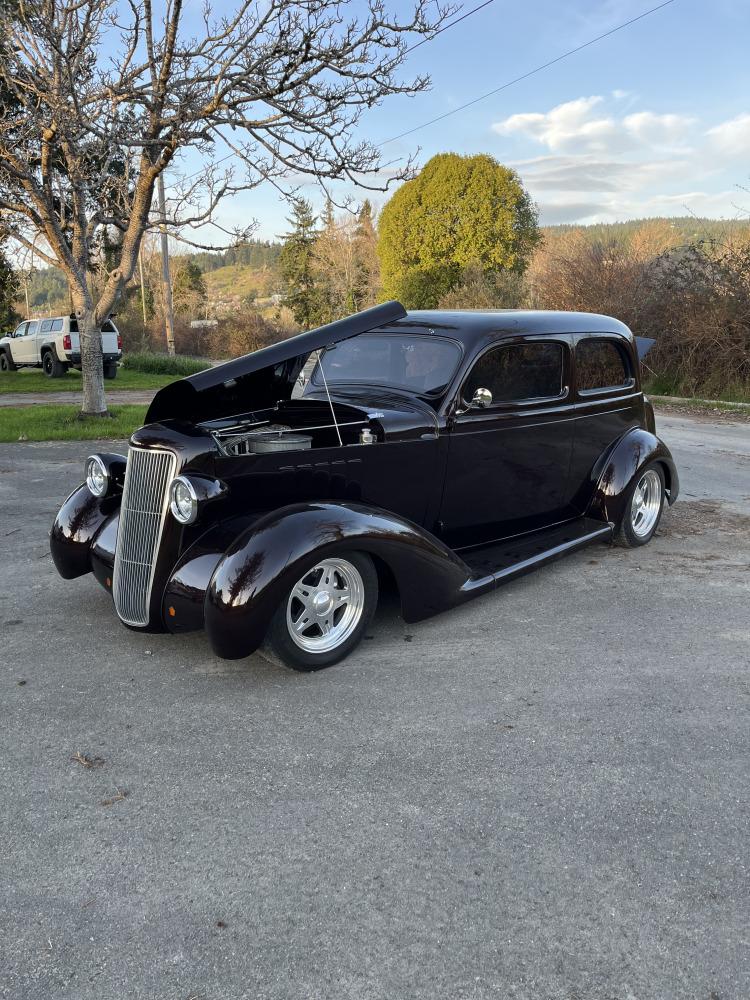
x,y
541,795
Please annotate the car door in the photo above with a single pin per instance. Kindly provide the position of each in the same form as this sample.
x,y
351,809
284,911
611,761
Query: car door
x,y
508,462
22,346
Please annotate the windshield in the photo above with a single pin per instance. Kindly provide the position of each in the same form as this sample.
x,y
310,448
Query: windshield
x,y
421,364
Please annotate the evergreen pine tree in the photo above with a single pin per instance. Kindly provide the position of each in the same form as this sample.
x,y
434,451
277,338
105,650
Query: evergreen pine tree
x,y
295,264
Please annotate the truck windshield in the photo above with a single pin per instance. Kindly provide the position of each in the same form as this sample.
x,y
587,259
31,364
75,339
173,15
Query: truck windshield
x,y
424,365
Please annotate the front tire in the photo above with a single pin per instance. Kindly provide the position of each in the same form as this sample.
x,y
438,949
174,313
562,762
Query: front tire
x,y
52,367
325,614
644,504
6,362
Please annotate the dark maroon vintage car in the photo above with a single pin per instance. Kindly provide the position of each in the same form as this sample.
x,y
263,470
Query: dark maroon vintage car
x,y
449,452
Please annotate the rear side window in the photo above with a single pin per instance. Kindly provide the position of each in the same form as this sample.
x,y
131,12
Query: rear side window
x,y
108,326
600,364
57,325
46,326
518,371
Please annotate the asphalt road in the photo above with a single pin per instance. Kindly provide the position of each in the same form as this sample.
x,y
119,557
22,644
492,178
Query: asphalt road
x,y
543,794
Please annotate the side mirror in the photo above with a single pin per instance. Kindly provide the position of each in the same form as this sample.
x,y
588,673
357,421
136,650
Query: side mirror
x,y
482,398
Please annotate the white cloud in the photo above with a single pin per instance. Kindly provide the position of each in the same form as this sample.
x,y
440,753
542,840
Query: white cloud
x,y
579,126
606,160
732,138
657,130
566,127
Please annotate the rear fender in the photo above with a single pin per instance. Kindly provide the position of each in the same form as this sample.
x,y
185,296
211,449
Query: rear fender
x,y
259,569
619,467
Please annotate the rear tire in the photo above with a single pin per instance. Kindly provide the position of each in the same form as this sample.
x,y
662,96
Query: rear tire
x,y
6,362
644,503
110,369
51,366
324,615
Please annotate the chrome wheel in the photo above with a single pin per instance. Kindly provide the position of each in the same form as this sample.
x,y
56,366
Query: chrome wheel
x,y
645,506
325,606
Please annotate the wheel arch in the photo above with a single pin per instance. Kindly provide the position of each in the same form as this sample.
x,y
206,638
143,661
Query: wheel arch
x,y
617,469
259,568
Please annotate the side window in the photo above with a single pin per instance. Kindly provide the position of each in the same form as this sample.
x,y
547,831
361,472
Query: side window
x,y
600,364
108,326
56,325
518,371
21,330
33,328
46,326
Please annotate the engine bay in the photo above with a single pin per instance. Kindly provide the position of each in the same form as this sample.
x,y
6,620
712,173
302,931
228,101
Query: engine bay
x,y
293,425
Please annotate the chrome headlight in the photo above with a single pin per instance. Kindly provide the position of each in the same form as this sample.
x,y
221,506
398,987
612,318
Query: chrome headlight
x,y
97,476
183,500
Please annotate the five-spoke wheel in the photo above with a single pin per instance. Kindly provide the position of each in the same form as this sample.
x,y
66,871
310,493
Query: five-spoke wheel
x,y
326,611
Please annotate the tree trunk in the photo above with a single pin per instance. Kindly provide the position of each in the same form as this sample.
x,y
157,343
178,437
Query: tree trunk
x,y
92,367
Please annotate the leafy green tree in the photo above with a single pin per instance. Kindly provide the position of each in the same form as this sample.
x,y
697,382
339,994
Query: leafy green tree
x,y
296,264
480,289
459,212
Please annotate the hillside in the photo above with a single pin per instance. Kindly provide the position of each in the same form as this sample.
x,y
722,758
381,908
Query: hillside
x,y
236,277
235,285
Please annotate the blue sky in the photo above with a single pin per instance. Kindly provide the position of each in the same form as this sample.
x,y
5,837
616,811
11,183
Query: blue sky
x,y
654,120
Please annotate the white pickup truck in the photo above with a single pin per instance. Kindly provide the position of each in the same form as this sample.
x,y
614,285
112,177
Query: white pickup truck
x,y
54,346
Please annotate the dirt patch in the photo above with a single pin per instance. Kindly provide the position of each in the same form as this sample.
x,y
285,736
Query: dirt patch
x,y
703,414
697,517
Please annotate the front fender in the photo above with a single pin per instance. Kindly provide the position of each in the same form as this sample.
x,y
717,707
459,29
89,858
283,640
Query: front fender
x,y
615,473
261,566
78,522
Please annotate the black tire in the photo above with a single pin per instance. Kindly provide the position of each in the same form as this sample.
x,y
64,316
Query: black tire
x,y
6,362
51,366
627,533
279,636
110,369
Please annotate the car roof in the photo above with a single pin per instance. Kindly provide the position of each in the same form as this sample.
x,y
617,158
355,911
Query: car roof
x,y
473,325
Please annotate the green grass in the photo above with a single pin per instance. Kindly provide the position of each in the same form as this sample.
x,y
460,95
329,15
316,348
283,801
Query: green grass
x,y
161,364
61,423
665,385
33,380
702,404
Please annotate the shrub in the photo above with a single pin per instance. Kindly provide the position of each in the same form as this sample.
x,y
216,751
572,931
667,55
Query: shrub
x,y
693,300
162,364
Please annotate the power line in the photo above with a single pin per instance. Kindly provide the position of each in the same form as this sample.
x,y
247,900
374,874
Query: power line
x,y
525,76
450,25
445,27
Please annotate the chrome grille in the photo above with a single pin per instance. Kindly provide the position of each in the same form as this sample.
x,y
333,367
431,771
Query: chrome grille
x,y
145,502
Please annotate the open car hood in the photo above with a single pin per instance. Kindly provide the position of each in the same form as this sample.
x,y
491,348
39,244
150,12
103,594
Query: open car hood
x,y
260,379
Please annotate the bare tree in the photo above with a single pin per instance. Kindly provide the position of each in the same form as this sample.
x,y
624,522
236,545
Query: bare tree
x,y
99,97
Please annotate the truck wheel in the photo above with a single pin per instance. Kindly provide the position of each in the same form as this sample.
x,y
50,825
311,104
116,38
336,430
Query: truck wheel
x,y
325,614
6,362
110,369
644,503
51,367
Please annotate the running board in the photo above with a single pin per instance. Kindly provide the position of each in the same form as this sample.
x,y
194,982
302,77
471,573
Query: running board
x,y
500,562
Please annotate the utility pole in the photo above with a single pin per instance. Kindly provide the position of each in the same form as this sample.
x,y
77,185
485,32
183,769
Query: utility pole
x,y
143,284
165,276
